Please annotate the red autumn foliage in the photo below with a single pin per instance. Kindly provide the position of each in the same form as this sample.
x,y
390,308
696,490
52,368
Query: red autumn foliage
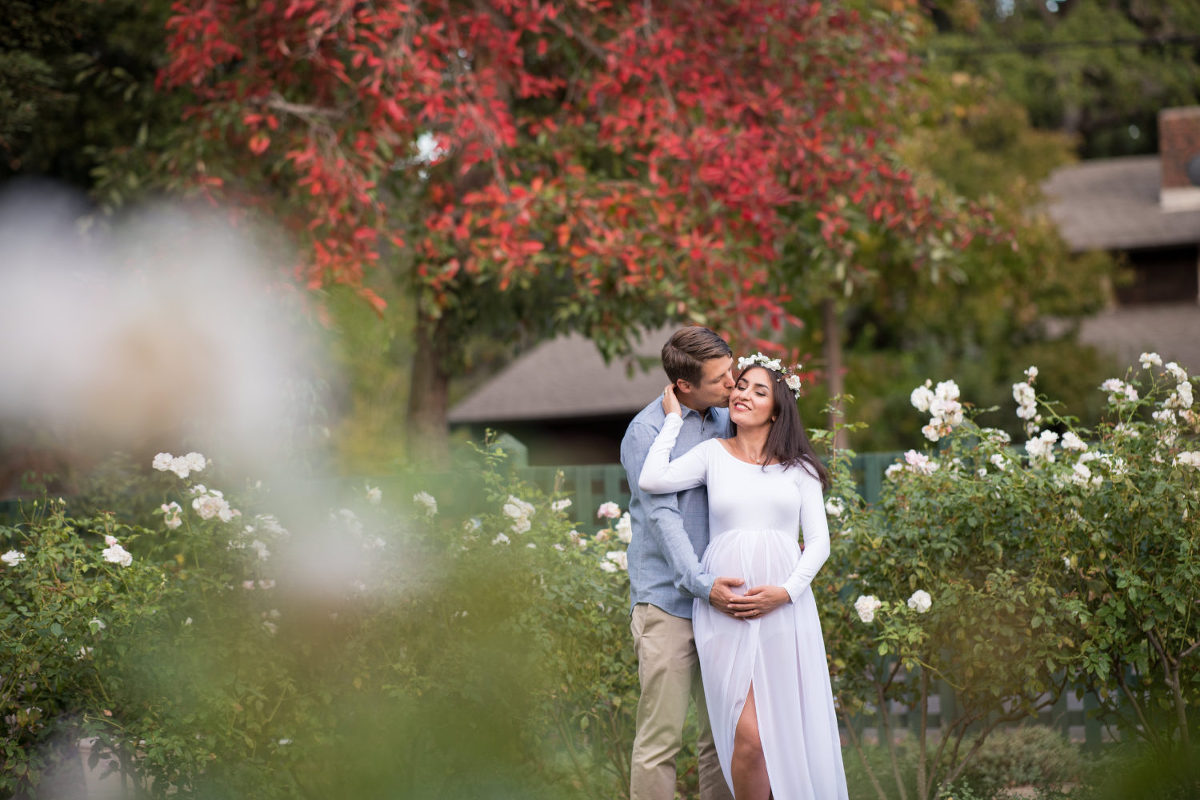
x,y
651,160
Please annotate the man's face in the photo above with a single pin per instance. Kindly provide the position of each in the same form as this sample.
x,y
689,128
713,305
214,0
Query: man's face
x,y
716,382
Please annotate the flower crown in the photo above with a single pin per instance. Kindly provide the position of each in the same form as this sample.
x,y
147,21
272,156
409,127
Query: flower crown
x,y
790,378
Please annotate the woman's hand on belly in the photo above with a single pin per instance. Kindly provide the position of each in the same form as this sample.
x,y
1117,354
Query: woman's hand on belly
x,y
759,601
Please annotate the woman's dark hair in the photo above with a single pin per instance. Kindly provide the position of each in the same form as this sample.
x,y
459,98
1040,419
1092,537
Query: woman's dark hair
x,y
787,443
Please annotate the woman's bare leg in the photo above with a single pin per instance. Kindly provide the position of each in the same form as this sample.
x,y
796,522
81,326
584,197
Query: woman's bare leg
x,y
749,766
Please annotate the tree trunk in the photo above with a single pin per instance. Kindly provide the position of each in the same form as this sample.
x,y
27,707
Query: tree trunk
x,y
831,328
428,395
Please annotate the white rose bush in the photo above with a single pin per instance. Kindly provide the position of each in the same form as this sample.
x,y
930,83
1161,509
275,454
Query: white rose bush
x,y
475,627
1003,574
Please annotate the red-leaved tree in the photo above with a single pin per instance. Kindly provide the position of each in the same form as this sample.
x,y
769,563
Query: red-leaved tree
x,y
553,165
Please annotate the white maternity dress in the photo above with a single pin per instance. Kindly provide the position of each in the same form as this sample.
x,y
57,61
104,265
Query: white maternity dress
x,y
754,515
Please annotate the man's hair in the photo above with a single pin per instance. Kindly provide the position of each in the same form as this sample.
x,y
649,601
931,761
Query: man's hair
x,y
684,354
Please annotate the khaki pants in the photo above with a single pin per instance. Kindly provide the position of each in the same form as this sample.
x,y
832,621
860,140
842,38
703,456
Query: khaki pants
x,y
669,673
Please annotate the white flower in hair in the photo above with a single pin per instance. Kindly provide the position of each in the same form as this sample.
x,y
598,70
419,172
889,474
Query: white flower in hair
x,y
790,378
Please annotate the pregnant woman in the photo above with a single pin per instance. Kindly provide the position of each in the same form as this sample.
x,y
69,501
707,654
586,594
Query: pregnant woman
x,y
766,681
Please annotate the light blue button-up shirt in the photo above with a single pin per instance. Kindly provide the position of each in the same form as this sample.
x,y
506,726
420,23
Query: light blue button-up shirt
x,y
670,531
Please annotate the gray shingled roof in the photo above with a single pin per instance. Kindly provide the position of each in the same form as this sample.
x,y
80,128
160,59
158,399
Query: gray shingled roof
x,y
1112,204
566,378
1173,331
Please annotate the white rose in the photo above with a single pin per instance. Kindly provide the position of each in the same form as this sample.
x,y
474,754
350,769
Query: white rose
x,y
866,606
12,558
561,505
162,462
1150,359
425,500
609,510
834,507
619,557
793,383
920,601
1072,442
195,461
921,397
500,539
117,555
624,528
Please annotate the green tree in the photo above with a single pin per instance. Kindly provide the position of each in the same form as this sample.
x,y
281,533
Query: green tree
x,y
1096,71
77,89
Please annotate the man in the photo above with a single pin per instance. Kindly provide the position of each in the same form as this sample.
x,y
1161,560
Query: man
x,y
670,533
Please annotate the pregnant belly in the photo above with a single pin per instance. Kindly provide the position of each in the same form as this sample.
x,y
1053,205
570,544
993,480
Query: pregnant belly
x,y
756,556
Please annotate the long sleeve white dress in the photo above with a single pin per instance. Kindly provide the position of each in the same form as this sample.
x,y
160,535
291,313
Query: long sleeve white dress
x,y
754,516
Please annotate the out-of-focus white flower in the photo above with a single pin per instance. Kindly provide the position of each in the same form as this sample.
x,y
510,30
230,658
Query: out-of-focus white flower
x,y
195,462
866,605
374,495
1150,360
919,463
558,546
1177,372
1026,399
212,505
472,525
1031,374
609,510
1181,398
248,585
893,471
1043,446
519,512
1164,416
834,507
1119,391
624,528
516,507
999,461
12,558
942,404
171,512
793,383
260,549
270,627
162,462
500,539
1189,458
1072,442
618,557
109,540
920,600
117,555
96,624
284,742
922,396
561,505
427,503
85,652
996,435
1124,429
266,583
981,472
577,539
1081,475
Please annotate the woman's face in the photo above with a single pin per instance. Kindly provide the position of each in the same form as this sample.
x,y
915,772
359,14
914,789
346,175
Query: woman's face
x,y
753,400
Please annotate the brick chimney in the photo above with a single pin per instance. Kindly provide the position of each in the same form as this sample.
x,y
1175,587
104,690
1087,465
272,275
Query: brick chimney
x,y
1179,149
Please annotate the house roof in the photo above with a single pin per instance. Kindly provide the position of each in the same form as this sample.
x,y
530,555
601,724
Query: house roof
x,y
1173,331
1113,204
567,378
